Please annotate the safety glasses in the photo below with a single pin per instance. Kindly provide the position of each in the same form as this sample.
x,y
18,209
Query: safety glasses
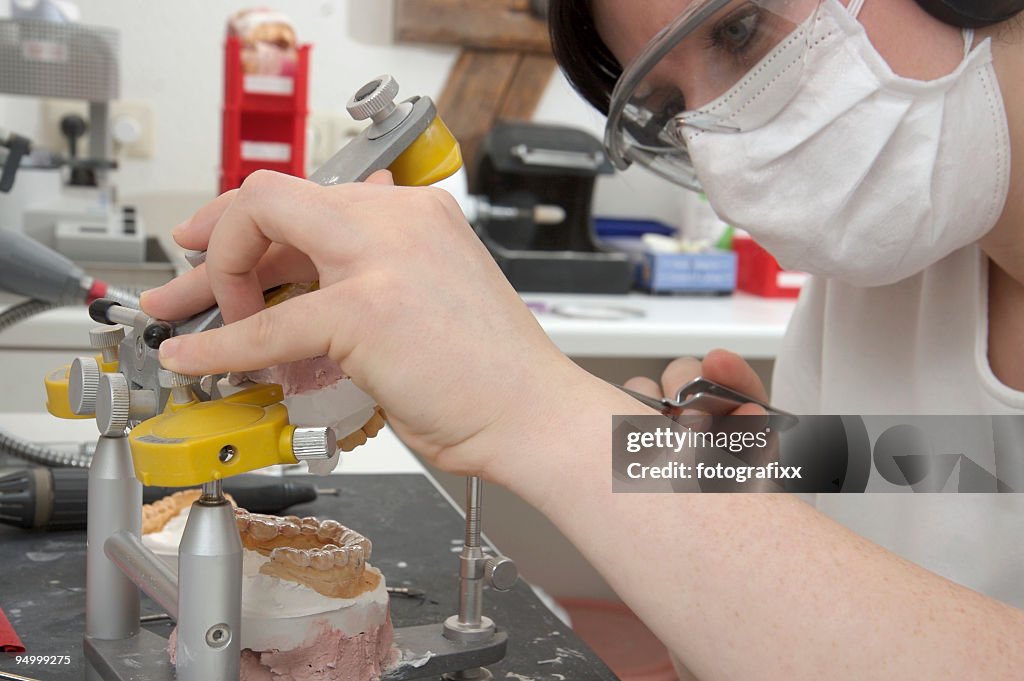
x,y
698,72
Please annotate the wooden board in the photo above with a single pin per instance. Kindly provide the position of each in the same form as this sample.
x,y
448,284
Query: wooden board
x,y
486,86
502,71
484,24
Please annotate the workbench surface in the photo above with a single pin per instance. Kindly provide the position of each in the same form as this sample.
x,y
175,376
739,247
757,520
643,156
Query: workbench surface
x,y
416,534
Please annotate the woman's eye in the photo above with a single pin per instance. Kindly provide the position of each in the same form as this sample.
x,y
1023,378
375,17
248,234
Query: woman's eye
x,y
735,32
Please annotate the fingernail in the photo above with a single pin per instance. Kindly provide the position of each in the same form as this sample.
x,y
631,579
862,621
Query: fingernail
x,y
180,228
169,349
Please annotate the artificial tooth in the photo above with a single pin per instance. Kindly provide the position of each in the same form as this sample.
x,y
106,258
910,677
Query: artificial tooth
x,y
292,555
374,425
329,529
288,528
320,559
262,529
341,557
310,525
292,518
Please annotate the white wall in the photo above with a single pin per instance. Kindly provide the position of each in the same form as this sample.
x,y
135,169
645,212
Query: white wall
x,y
172,59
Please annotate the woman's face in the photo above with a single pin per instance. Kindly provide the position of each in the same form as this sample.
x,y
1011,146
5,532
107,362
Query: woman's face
x,y
915,44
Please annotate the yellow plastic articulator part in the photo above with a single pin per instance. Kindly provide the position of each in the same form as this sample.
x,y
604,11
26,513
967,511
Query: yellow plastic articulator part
x,y
197,442
56,382
432,157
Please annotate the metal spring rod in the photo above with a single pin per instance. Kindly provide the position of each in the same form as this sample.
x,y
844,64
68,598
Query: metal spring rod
x,y
474,491
213,492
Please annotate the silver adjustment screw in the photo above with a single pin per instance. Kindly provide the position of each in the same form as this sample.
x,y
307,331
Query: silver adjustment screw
x,y
180,385
113,404
375,100
501,573
314,444
107,339
106,336
83,382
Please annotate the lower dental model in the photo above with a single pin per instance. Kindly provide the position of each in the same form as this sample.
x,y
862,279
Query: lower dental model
x,y
313,608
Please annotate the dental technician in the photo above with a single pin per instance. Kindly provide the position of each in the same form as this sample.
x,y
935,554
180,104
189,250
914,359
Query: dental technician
x,y
868,143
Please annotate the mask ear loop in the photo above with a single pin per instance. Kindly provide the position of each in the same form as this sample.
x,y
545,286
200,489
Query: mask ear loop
x,y
855,7
968,41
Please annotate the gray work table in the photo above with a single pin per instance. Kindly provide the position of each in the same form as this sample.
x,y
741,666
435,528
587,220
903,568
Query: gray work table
x,y
416,534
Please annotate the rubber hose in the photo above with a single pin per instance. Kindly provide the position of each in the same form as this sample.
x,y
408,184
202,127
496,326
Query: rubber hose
x,y
29,451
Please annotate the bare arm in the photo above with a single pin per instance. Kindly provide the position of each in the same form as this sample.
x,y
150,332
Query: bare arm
x,y
759,586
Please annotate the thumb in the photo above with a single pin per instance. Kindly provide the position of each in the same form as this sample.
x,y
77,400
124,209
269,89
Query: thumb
x,y
731,370
381,177
283,333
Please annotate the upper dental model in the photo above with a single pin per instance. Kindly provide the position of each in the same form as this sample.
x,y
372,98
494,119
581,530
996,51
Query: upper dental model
x,y
318,393
313,609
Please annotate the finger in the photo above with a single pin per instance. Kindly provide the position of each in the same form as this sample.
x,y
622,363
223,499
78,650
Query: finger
x,y
277,208
749,409
381,177
194,233
731,370
191,293
283,333
644,386
678,373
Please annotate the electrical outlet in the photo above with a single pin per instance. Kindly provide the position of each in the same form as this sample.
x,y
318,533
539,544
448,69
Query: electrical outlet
x,y
327,132
130,127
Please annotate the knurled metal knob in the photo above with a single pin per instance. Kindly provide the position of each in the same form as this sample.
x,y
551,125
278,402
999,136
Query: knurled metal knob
x,y
374,98
172,379
103,337
83,382
501,573
113,404
316,444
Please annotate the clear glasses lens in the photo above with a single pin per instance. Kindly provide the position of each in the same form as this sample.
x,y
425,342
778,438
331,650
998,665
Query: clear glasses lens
x,y
697,73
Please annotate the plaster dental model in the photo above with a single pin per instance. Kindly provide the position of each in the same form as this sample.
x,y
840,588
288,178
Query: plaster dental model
x,y
313,609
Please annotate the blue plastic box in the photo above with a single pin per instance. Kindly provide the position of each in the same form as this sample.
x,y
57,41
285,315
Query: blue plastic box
x,y
713,272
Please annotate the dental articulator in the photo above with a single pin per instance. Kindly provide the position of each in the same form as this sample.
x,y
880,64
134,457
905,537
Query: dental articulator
x,y
161,428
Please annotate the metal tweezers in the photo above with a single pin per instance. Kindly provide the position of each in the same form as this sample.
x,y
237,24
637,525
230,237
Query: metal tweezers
x,y
702,396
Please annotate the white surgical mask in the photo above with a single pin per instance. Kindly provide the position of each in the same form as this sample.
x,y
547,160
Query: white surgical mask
x,y
863,176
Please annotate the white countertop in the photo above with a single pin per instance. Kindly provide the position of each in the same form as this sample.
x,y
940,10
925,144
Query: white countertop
x,y
663,326
670,326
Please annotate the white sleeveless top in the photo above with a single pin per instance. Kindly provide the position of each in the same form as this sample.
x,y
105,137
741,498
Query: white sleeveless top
x,y
916,347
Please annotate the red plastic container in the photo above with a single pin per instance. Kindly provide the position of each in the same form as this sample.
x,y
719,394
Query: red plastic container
x,y
759,273
264,119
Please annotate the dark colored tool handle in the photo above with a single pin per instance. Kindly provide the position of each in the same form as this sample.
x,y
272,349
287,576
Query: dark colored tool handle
x,y
57,499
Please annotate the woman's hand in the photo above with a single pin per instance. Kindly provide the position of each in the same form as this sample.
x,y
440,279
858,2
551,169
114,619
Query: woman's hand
x,y
411,305
720,366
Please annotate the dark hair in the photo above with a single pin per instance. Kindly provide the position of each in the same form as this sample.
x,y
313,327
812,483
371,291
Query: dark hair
x,y
586,61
